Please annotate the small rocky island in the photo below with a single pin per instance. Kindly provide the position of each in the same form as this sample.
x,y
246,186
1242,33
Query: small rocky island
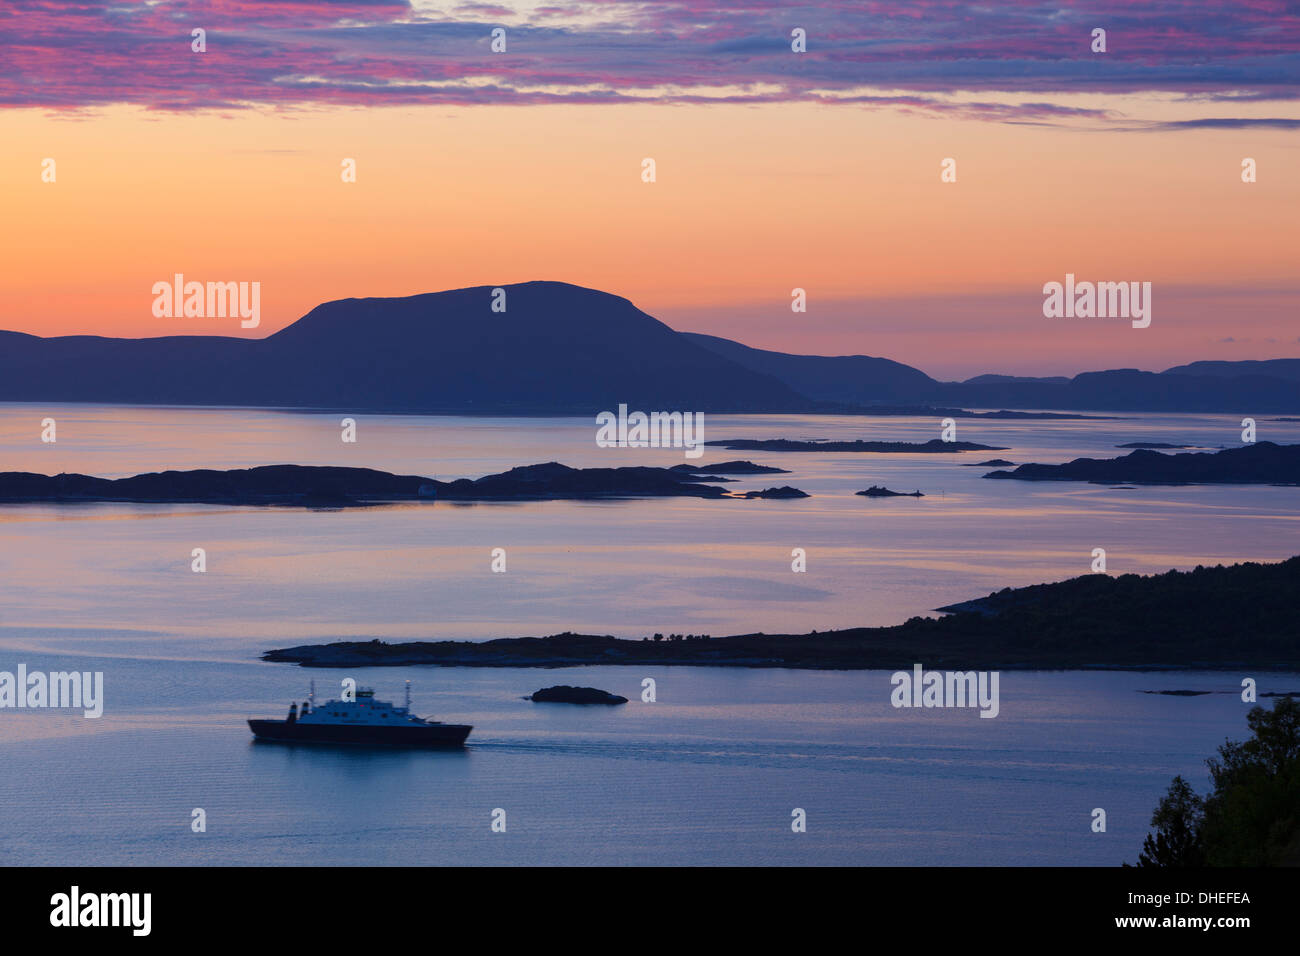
x,y
730,468
933,446
877,491
1154,444
564,694
1262,463
991,463
334,487
785,491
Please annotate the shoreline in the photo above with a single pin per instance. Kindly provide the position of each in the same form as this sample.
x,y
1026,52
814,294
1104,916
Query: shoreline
x,y
1219,618
930,663
1262,463
328,486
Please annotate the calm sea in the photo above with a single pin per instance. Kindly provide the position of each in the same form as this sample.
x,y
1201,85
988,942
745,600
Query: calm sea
x,y
711,771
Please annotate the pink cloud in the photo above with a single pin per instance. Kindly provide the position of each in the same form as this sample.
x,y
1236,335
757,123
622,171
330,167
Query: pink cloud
x,y
290,52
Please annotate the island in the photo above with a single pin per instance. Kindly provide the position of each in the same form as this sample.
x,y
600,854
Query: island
x,y
938,411
564,694
785,491
335,487
731,468
1154,444
991,463
1208,618
876,491
934,445
1255,464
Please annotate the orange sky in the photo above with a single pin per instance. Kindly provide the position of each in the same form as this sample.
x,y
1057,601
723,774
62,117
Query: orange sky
x,y
750,202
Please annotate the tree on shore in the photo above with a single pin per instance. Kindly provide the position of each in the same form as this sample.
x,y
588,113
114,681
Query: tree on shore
x,y
1175,839
1251,816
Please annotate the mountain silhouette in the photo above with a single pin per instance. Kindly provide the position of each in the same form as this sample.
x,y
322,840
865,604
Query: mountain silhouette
x,y
1129,389
1269,368
563,349
853,379
1258,387
555,348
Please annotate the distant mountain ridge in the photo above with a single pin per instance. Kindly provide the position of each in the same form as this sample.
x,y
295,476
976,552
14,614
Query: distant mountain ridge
x,y
1256,387
1001,379
564,349
853,379
1288,369
557,348
1130,389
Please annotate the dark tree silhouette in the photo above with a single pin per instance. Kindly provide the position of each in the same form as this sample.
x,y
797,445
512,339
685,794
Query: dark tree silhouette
x,y
1176,825
1251,817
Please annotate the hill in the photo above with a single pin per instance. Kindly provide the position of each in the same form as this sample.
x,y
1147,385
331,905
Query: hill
x,y
557,348
1237,616
566,350
1259,463
852,379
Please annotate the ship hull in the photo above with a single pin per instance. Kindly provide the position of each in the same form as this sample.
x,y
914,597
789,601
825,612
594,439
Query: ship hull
x,y
436,735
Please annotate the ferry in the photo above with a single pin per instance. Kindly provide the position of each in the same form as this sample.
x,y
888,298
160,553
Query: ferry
x,y
365,721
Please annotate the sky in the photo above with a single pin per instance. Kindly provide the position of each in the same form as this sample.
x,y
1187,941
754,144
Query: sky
x,y
774,170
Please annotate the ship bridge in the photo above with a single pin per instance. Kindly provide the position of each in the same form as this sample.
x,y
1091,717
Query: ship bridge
x,y
363,711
